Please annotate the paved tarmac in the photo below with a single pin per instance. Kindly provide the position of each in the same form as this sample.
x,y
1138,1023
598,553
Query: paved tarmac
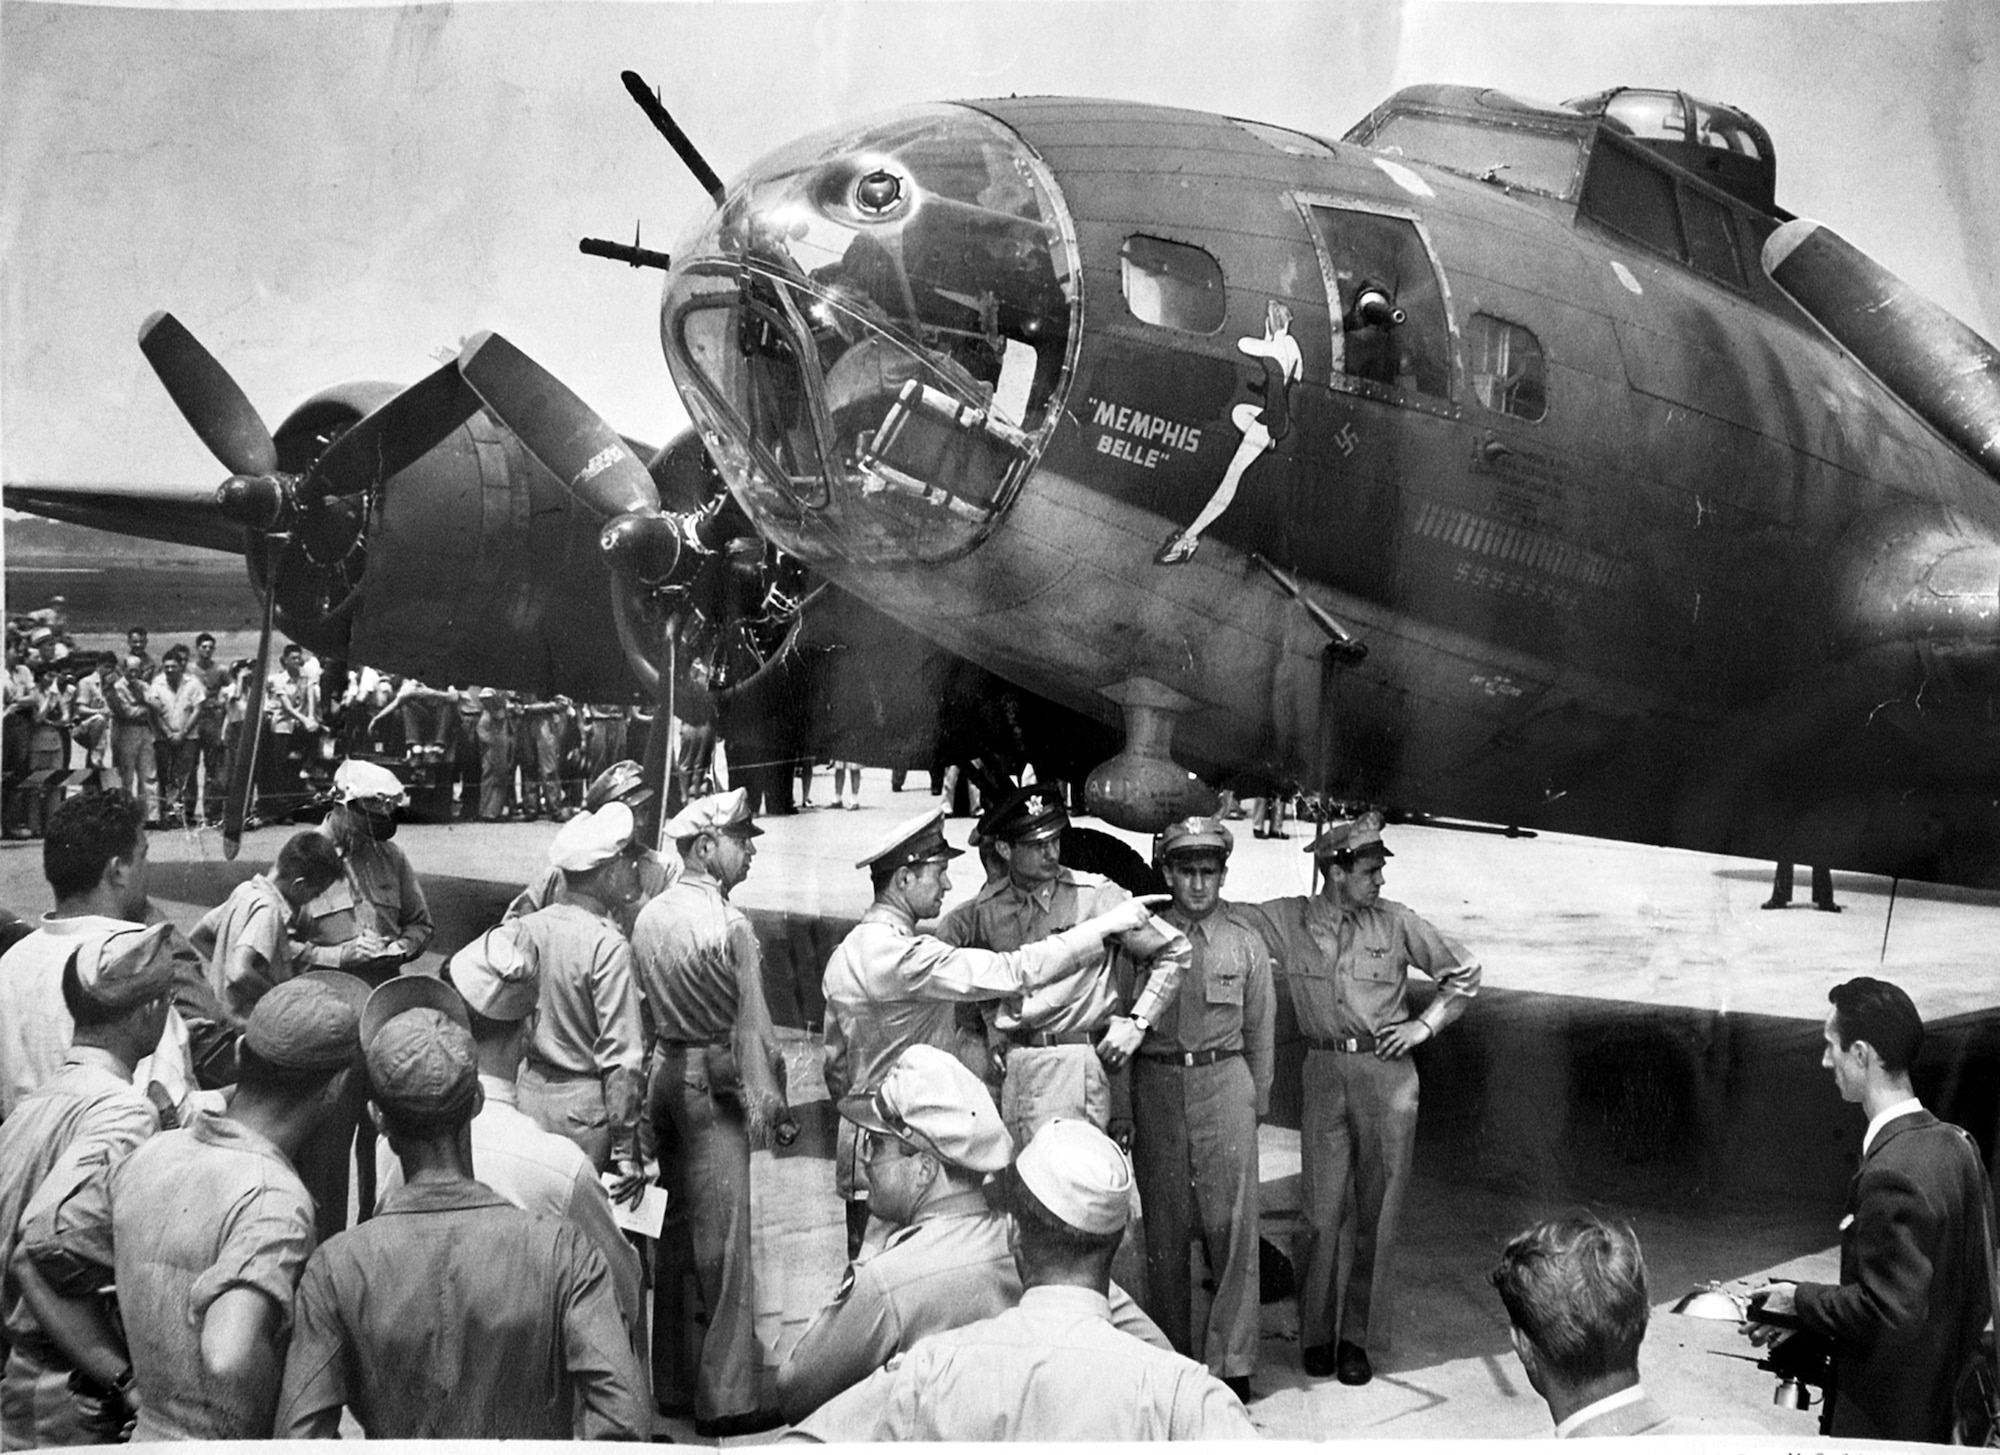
x,y
1647,1043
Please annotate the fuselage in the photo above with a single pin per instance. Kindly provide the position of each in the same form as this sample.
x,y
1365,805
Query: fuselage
x,y
1632,549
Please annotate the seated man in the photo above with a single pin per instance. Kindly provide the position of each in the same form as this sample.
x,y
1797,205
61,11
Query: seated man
x,y
1053,1367
387,1313
931,1135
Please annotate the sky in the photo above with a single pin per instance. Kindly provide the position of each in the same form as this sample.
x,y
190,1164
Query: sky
x,y
330,194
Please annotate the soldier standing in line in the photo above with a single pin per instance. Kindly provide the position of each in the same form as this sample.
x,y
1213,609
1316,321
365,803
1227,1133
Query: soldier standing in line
x,y
717,1089
1199,1084
1347,954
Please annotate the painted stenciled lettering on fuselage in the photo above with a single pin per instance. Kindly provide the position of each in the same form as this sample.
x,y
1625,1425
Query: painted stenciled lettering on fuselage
x,y
1139,438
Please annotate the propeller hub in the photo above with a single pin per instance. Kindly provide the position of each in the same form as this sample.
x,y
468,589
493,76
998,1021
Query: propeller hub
x,y
257,501
642,546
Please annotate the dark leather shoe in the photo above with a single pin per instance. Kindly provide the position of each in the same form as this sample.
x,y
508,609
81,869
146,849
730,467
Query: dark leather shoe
x,y
1351,1364
750,1422
1319,1360
1239,1385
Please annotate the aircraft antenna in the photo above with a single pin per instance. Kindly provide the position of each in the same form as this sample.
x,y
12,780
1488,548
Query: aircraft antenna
x,y
632,252
684,148
1883,958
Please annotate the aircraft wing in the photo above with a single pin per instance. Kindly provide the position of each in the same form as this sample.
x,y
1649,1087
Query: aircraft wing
x,y
182,514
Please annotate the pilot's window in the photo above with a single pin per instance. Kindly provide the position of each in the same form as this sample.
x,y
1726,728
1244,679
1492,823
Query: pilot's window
x,y
1508,373
1715,127
1393,331
1174,285
1711,237
1625,191
1508,156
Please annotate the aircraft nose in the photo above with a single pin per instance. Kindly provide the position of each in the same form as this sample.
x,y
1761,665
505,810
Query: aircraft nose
x,y
873,333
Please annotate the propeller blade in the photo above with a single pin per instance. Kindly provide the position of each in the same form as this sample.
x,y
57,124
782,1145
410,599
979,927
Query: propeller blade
x,y
562,432
207,397
237,806
395,435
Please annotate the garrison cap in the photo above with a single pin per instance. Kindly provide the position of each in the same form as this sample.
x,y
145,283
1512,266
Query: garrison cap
x,y
421,1060
358,778
913,841
1033,812
1196,833
623,781
311,1022
1078,1173
930,1098
1351,838
497,974
591,839
718,813
126,968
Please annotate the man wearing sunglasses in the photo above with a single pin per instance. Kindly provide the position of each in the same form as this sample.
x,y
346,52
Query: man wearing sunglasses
x,y
929,1137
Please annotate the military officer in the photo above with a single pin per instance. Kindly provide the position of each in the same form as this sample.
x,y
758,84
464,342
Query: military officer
x,y
1199,1083
717,1088
931,1135
1346,955
1062,1043
888,987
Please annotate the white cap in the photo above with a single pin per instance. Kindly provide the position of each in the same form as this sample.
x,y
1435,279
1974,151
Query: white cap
x,y
497,975
718,813
1078,1173
591,839
358,778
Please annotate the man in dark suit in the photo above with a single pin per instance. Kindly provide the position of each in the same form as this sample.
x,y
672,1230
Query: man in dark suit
x,y
1912,1297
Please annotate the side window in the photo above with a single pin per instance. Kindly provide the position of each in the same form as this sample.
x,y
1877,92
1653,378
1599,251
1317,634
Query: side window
x,y
1711,236
1174,285
1393,330
1508,374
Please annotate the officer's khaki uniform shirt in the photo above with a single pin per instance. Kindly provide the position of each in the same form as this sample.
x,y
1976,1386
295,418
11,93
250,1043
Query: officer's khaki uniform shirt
x,y
1226,1001
1051,1368
591,1023
1004,916
702,972
1347,969
378,892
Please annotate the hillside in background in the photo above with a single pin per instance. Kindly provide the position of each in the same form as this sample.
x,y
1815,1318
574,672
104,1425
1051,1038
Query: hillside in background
x,y
109,582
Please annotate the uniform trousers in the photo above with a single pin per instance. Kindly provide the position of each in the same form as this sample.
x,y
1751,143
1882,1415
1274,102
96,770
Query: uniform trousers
x,y
570,1104
496,772
1357,1142
1194,1154
543,785
132,757
177,762
214,770
704,1294
1046,1082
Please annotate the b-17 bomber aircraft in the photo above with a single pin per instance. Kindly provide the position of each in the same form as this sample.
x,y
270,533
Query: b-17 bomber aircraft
x,y
1501,461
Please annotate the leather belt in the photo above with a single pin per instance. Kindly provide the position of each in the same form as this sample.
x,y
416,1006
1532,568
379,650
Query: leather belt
x,y
1355,1044
550,1072
665,1044
1052,1038
1191,1058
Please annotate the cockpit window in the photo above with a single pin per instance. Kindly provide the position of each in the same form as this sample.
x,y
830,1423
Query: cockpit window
x,y
1548,162
1650,115
1174,285
882,308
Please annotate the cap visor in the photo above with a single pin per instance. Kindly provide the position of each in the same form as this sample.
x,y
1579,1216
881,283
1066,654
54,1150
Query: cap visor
x,y
861,1111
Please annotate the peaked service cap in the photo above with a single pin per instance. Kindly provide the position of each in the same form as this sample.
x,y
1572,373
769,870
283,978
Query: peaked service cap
x,y
718,813
913,841
311,1022
497,974
1351,838
591,839
929,1097
126,968
1196,833
1078,1173
624,781
1033,812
